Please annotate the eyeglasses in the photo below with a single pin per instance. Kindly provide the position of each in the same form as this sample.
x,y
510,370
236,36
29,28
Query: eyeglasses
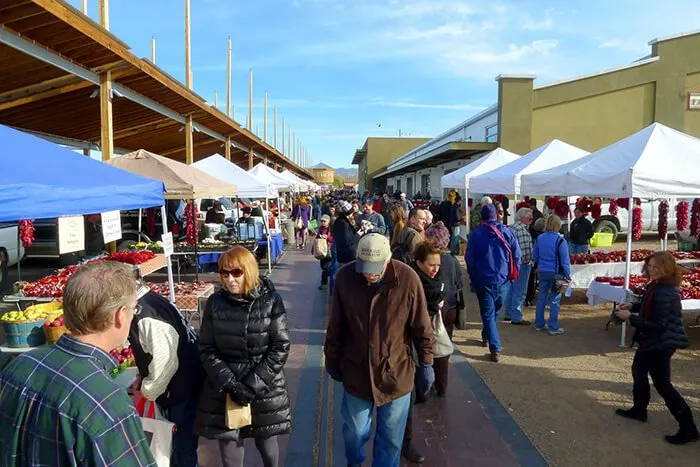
x,y
137,309
236,273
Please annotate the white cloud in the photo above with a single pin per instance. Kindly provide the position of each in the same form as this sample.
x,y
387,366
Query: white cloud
x,y
610,44
530,24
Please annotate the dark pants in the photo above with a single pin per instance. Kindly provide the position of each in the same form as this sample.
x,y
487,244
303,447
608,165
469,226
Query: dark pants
x,y
442,364
185,441
408,432
233,452
657,364
531,287
325,270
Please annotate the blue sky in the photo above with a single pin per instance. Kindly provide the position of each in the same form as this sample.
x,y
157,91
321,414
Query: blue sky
x,y
338,69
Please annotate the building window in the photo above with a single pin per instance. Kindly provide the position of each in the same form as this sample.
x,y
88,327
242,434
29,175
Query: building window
x,y
409,188
425,184
398,185
390,189
492,133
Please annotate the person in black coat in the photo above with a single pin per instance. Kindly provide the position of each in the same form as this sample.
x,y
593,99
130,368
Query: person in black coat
x,y
659,332
244,344
345,236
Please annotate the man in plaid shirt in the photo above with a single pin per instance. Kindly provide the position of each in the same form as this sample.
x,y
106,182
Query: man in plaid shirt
x,y
518,289
58,404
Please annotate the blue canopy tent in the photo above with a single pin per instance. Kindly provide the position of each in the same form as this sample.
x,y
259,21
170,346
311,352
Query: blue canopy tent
x,y
40,179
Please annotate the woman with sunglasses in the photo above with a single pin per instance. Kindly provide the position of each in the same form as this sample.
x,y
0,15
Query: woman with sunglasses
x,y
244,345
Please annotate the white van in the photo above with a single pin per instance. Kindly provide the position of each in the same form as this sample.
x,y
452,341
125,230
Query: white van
x,y
9,253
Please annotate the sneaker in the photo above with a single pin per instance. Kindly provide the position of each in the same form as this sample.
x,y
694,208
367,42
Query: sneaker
x,y
495,357
507,319
541,329
633,414
484,342
683,436
411,454
556,332
521,323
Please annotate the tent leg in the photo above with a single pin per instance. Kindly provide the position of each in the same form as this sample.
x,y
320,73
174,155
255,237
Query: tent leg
x,y
140,214
628,263
171,282
19,255
267,229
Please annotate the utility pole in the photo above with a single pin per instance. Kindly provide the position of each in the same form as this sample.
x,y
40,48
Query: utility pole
x,y
188,55
228,81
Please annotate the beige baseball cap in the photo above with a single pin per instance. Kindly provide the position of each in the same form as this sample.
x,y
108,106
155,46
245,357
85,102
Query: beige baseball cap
x,y
373,252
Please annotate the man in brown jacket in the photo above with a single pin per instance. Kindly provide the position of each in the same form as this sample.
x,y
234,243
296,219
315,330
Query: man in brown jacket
x,y
378,315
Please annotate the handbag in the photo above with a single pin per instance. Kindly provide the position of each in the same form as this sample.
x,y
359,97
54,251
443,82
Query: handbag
x,y
237,416
159,431
513,272
443,344
320,248
299,224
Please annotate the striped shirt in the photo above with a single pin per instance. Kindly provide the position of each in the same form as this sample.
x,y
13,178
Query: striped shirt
x,y
59,407
522,234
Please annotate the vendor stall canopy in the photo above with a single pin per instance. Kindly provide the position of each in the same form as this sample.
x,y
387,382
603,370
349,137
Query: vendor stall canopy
x,y
298,183
460,178
39,179
656,162
248,186
181,181
271,177
506,179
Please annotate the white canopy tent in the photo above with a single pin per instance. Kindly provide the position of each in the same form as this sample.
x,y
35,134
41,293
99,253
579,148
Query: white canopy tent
x,y
267,175
506,179
656,162
461,178
248,185
298,184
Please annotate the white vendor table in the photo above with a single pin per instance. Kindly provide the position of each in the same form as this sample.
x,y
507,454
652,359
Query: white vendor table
x,y
602,292
583,275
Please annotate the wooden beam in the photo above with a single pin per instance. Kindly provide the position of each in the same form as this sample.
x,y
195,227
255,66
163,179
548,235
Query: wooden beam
x,y
148,126
106,129
250,159
228,148
189,146
38,87
177,150
104,14
45,95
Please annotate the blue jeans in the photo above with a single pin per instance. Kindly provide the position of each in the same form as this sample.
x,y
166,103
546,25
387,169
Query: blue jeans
x,y
357,428
516,294
185,441
547,296
491,298
578,249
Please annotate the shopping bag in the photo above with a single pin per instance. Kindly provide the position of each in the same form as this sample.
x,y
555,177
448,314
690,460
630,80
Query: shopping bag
x,y
443,344
299,224
159,431
313,224
320,248
237,416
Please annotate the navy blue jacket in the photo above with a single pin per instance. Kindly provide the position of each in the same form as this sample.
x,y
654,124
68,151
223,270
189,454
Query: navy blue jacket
x,y
487,258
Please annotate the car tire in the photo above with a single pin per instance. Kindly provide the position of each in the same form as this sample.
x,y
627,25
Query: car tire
x,y
4,277
608,227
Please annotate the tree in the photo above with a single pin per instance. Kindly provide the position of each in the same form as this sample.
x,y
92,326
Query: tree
x,y
338,181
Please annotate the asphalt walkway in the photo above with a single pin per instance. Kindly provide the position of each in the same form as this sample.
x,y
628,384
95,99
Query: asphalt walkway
x,y
469,427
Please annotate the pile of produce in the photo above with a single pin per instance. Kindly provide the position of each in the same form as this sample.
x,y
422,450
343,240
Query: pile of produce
x,y
155,247
619,256
48,286
29,315
125,357
56,323
181,288
131,257
690,287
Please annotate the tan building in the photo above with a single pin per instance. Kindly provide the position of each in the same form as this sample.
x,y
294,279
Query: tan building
x,y
590,112
377,153
323,174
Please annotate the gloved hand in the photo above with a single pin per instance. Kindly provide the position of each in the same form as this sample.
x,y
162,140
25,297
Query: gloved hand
x,y
335,373
240,393
427,378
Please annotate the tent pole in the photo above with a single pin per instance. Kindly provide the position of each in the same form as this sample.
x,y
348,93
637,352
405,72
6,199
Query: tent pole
x,y
628,263
267,228
140,214
19,255
171,281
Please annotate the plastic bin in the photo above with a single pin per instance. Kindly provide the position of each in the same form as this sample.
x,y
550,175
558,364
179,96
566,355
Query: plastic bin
x,y
685,246
602,239
24,334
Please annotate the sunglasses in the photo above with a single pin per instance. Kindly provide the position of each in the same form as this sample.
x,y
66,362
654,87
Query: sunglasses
x,y
231,272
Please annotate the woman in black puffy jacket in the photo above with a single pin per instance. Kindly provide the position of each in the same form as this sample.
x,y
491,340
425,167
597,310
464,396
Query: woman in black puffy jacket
x,y
244,345
659,332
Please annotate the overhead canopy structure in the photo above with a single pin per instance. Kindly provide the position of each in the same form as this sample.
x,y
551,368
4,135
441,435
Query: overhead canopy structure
x,y
248,186
181,180
302,185
460,178
506,179
271,177
39,179
656,162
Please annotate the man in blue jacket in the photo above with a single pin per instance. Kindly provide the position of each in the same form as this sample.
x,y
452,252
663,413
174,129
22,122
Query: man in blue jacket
x,y
488,265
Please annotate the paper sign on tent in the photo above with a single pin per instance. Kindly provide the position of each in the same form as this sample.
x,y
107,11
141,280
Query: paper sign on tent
x,y
111,226
71,234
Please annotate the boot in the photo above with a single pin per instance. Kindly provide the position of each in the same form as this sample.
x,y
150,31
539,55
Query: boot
x,y
412,455
684,436
634,414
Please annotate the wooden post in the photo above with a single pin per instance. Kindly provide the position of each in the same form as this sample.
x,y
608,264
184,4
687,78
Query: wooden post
x,y
294,148
250,158
274,127
265,118
106,127
233,112
216,99
189,144
250,101
228,148
290,151
153,49
188,56
228,81
283,137
85,10
104,14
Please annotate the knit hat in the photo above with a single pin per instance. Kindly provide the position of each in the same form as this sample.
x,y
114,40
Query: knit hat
x,y
373,252
439,235
344,207
488,213
325,217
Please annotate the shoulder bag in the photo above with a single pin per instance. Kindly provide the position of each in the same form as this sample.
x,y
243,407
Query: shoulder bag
x,y
513,272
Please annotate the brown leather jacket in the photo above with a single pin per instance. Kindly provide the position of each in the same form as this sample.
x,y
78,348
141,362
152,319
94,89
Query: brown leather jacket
x,y
371,332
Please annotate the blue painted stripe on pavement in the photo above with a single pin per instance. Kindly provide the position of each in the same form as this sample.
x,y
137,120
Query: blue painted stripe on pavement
x,y
525,452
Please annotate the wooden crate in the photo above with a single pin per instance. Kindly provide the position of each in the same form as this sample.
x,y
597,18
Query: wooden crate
x,y
152,265
191,301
